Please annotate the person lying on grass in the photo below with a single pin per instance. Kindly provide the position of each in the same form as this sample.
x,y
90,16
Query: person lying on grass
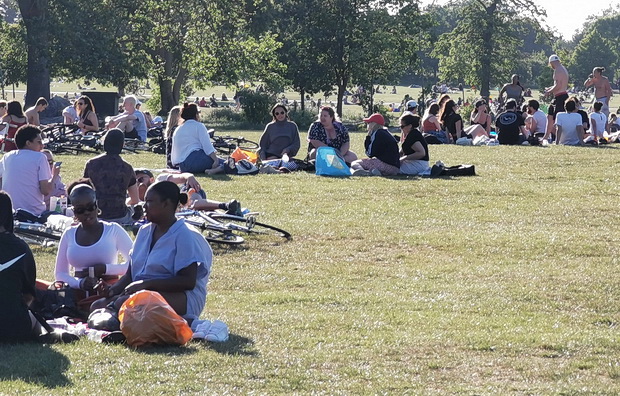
x,y
168,257
188,184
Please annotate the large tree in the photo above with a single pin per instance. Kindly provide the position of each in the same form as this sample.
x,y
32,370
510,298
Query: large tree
x,y
486,43
36,19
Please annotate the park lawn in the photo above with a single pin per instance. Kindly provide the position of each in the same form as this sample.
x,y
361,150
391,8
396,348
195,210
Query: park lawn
x,y
503,283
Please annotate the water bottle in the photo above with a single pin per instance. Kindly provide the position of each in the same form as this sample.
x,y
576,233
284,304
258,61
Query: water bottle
x,y
63,204
96,335
57,208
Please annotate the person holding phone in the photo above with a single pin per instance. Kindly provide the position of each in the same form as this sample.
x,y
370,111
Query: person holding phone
x,y
58,187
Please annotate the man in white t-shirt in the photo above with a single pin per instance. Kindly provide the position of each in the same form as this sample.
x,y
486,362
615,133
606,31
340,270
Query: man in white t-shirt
x,y
569,126
536,121
131,121
25,172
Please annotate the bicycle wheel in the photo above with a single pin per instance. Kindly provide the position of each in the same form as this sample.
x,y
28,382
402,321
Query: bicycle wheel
x,y
222,236
226,238
35,237
247,144
250,226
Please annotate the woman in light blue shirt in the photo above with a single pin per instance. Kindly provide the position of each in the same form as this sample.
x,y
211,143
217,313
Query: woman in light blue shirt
x,y
168,256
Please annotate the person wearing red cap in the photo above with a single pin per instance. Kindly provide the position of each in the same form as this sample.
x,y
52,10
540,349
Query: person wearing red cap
x,y
329,131
381,148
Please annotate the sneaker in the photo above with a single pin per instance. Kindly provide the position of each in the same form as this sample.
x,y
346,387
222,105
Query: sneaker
x,y
361,172
375,172
57,337
115,337
234,208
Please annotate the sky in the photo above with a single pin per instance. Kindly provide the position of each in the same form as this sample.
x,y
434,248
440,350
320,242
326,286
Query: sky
x,y
566,16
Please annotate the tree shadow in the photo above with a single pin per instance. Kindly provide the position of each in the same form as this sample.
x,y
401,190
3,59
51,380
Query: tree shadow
x,y
236,345
34,363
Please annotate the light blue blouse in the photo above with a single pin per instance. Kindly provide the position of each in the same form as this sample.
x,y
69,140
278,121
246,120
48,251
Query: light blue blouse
x,y
178,248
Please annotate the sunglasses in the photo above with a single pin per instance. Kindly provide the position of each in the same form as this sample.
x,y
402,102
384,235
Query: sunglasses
x,y
403,126
80,104
279,113
89,208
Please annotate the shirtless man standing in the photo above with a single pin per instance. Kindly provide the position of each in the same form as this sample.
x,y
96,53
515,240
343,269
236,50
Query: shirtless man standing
x,y
602,88
560,86
32,114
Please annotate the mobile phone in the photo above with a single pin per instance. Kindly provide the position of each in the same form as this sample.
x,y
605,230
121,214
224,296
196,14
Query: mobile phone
x,y
57,164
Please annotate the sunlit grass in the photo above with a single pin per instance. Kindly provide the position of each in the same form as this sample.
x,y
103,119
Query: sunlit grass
x,y
504,283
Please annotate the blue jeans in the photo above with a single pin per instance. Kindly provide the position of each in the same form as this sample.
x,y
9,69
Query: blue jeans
x,y
197,162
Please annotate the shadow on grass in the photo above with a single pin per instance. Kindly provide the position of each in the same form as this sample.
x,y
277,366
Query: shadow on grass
x,y
35,364
220,249
171,350
236,345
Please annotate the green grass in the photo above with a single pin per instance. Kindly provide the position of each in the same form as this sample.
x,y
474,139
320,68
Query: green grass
x,y
504,283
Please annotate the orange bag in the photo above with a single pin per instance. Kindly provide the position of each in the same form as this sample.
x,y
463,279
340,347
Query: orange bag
x,y
146,318
240,154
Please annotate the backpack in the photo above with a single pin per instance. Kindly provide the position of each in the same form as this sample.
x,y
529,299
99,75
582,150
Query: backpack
x,y
245,167
329,162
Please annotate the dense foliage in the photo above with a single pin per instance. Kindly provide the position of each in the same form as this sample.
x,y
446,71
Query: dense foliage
x,y
312,46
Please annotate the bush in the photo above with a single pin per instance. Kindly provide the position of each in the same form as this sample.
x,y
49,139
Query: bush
x,y
303,119
257,106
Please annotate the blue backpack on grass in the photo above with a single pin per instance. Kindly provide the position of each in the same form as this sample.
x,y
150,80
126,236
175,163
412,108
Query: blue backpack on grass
x,y
329,162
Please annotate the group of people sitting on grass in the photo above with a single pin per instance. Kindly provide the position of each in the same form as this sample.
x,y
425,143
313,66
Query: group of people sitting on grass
x,y
167,255
189,148
516,125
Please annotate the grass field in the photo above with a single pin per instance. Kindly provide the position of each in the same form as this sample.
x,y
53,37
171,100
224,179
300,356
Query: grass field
x,y
504,283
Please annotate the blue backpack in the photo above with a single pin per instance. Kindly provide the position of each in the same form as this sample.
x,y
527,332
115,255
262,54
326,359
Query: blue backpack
x,y
329,162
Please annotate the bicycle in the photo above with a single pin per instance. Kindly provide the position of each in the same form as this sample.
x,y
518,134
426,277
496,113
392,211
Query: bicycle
x,y
224,228
227,144
62,138
37,234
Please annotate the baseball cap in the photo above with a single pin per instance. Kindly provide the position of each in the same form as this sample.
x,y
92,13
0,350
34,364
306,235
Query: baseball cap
x,y
554,58
144,171
412,104
377,118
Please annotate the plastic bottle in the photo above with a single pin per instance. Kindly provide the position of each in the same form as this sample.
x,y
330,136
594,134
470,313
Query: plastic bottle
x,y
63,204
96,335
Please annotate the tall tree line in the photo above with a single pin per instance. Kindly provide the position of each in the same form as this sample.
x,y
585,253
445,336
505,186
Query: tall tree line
x,y
309,45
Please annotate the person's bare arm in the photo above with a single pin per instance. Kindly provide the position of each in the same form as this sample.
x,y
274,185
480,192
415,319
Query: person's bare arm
x,y
418,153
185,279
134,196
47,186
558,133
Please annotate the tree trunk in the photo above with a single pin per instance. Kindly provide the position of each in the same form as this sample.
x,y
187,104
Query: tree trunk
x,y
302,99
170,82
487,51
179,82
35,15
342,86
165,92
